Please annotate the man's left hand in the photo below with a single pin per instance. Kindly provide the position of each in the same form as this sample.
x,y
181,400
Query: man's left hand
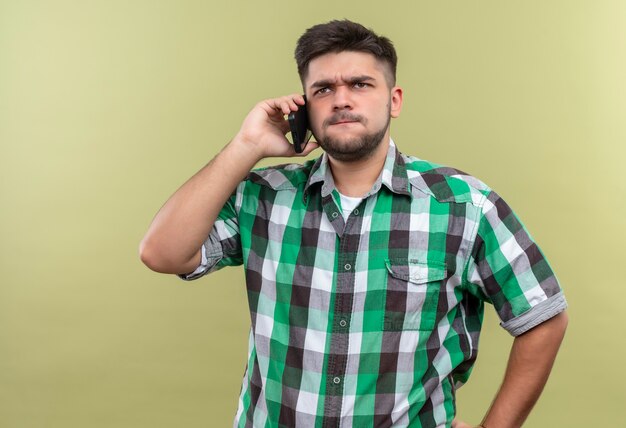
x,y
460,424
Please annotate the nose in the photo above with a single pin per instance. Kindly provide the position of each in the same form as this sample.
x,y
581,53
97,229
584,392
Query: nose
x,y
342,99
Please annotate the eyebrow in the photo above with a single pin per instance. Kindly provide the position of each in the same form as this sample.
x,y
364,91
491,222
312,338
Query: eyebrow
x,y
329,82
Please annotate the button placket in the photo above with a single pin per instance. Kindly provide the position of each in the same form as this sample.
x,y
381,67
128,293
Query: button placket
x,y
348,239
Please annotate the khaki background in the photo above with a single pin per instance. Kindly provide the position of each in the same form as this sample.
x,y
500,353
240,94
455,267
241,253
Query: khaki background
x,y
106,107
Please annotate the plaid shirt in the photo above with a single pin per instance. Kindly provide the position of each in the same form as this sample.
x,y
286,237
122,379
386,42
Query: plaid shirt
x,y
373,321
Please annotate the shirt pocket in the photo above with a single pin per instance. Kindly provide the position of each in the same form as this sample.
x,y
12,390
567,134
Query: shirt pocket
x,y
412,294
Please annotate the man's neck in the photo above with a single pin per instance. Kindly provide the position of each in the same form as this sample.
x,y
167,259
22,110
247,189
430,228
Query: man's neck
x,y
356,178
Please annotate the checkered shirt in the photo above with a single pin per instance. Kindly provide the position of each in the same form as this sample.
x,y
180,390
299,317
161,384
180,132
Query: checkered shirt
x,y
373,321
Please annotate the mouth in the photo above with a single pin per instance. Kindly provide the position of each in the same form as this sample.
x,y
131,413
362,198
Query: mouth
x,y
343,119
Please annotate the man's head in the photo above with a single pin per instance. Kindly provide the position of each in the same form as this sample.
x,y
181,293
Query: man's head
x,y
348,76
340,36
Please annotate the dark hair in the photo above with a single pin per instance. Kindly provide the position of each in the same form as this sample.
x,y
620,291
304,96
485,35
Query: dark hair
x,y
338,36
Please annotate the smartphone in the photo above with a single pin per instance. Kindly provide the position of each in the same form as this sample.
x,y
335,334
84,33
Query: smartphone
x,y
299,125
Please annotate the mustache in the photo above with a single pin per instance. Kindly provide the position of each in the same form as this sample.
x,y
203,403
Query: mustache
x,y
342,117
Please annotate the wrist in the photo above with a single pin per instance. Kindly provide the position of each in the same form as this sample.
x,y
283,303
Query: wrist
x,y
245,150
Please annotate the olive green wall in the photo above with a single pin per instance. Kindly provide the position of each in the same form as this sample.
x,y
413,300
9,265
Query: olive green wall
x,y
106,107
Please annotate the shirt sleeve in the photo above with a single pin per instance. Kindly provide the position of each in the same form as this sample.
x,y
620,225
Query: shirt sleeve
x,y
223,245
507,268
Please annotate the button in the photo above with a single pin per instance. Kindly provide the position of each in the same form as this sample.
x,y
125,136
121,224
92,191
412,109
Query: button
x,y
343,323
336,380
347,266
356,211
334,214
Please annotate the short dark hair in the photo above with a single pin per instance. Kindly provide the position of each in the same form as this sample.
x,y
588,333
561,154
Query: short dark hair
x,y
338,36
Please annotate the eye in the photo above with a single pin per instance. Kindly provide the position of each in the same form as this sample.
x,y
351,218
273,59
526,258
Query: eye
x,y
321,91
361,85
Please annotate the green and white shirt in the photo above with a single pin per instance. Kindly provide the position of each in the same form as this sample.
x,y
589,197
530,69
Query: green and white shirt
x,y
372,321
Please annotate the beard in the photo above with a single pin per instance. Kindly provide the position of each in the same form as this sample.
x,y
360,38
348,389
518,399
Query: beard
x,y
353,149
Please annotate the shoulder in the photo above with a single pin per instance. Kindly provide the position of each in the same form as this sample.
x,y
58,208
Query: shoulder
x,y
444,183
281,177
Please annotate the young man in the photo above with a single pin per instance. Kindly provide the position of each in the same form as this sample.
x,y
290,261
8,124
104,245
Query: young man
x,y
366,270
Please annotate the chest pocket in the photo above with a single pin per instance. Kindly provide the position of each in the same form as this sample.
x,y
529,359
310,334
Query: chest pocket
x,y
412,294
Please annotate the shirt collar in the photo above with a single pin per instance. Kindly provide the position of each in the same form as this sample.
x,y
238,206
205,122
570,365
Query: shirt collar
x,y
393,176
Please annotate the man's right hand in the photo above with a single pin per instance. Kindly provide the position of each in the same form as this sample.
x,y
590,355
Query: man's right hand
x,y
173,241
264,128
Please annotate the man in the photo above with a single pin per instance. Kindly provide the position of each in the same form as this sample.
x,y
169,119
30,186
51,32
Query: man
x,y
366,270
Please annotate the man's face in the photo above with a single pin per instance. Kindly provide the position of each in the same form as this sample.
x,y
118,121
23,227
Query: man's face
x,y
350,103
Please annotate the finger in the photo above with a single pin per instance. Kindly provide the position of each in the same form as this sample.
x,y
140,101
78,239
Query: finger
x,y
275,104
284,127
296,99
292,105
311,145
285,106
272,108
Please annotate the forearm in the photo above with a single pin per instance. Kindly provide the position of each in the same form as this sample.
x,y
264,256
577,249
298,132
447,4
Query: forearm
x,y
175,236
530,362
174,239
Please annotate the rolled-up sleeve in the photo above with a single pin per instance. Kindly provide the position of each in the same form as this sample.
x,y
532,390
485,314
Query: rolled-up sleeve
x,y
223,245
507,268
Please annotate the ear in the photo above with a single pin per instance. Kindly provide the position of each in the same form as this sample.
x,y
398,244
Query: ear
x,y
396,101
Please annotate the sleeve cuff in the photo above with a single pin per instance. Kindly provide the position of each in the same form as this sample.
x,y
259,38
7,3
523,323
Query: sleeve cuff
x,y
543,311
211,255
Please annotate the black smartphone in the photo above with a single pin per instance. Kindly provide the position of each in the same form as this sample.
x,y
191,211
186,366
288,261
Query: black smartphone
x,y
299,125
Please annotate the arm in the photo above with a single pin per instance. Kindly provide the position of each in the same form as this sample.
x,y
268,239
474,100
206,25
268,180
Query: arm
x,y
174,240
530,362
